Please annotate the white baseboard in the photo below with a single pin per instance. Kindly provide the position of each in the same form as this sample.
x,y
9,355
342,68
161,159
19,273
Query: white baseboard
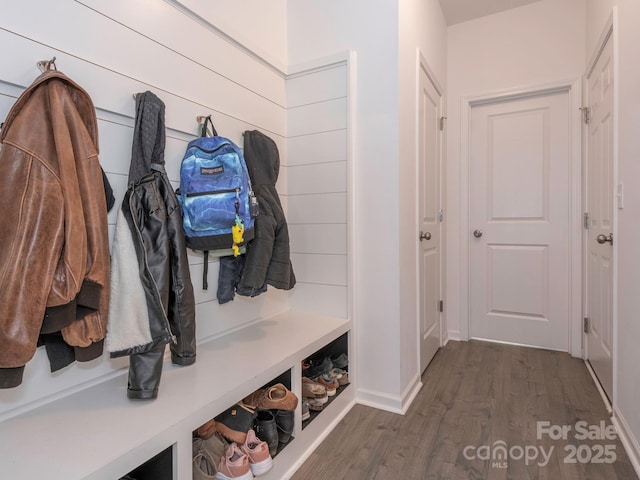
x,y
629,441
411,392
391,403
453,335
603,395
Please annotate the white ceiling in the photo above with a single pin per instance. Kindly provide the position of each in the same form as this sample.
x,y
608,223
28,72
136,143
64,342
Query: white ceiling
x,y
457,11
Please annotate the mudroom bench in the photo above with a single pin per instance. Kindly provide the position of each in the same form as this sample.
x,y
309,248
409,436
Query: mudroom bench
x,y
97,433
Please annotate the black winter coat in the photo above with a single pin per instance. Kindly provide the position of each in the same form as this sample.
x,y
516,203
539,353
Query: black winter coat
x,y
267,261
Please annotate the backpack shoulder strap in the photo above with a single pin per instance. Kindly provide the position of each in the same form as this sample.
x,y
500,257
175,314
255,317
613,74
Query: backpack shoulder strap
x,y
205,271
203,131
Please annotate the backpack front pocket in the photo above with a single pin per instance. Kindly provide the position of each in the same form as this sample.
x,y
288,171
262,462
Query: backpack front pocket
x,y
211,212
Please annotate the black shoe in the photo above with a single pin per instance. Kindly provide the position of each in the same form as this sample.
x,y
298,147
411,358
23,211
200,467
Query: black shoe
x,y
285,423
319,368
267,430
235,422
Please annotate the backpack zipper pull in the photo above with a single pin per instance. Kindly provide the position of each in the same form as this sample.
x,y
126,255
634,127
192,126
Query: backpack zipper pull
x,y
237,204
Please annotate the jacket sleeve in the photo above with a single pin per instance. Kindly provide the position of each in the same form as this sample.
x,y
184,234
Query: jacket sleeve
x,y
259,252
88,331
268,255
280,272
181,309
86,251
32,228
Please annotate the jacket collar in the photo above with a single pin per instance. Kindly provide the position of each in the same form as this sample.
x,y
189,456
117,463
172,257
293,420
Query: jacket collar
x,y
90,121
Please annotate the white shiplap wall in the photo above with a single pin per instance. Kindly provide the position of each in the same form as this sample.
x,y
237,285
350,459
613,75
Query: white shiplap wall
x,y
114,49
317,188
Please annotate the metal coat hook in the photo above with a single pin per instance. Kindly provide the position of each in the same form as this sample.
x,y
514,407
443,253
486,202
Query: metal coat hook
x,y
44,65
204,121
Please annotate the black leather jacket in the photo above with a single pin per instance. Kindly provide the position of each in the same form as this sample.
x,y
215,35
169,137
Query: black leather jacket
x,y
152,295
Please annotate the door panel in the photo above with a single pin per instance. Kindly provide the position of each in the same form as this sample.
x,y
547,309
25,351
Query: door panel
x,y
518,166
429,111
524,297
429,315
519,211
599,199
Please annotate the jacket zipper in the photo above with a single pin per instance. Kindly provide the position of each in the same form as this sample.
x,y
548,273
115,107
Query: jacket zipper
x,y
174,339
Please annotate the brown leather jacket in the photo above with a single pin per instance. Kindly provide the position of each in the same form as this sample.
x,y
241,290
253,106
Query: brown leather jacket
x,y
54,244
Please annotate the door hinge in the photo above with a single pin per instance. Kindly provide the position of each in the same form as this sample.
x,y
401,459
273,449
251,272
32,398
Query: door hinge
x,y
586,325
586,114
442,119
441,215
586,219
441,306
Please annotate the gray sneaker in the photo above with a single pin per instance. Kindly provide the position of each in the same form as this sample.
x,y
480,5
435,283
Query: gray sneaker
x,y
341,361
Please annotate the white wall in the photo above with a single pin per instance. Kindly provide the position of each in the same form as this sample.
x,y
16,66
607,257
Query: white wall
x,y
627,384
524,47
422,26
384,36
257,25
321,29
317,188
113,50
597,13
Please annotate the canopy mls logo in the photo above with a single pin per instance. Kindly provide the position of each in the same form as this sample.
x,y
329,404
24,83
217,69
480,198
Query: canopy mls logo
x,y
499,454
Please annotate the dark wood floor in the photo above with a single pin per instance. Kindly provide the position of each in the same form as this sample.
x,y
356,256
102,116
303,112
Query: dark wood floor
x,y
479,394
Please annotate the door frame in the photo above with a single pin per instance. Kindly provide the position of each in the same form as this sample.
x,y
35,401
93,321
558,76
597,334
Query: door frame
x,y
574,89
609,33
422,64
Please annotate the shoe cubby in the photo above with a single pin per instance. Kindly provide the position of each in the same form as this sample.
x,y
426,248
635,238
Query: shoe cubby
x,y
332,356
160,467
272,425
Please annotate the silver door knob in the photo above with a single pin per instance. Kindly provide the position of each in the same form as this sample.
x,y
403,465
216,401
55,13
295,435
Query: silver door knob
x,y
601,239
425,236
477,233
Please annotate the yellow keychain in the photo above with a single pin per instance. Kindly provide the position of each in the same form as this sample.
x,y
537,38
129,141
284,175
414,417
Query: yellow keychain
x,y
237,232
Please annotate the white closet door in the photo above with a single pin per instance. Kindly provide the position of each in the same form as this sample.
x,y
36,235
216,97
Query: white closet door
x,y
519,214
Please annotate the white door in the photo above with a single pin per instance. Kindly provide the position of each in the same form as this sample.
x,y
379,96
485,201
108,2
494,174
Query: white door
x,y
429,112
599,199
519,220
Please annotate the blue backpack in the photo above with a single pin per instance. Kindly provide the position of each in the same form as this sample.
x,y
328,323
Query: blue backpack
x,y
216,198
